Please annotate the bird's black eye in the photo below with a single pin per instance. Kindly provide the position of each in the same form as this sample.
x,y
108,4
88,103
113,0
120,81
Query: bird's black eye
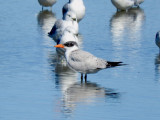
x,y
69,44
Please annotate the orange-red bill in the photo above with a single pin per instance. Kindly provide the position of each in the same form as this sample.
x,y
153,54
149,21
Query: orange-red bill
x,y
59,46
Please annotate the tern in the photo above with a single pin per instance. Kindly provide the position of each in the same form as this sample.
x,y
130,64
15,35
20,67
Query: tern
x,y
157,40
69,19
76,6
82,61
47,3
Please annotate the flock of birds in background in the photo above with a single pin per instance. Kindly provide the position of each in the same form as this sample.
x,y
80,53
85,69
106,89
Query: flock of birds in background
x,y
65,34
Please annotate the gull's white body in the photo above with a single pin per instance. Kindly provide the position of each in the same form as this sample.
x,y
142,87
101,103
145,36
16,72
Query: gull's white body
x,y
76,6
123,4
69,34
61,25
47,3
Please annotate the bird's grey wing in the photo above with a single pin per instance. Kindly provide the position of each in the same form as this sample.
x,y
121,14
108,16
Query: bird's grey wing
x,y
87,60
57,25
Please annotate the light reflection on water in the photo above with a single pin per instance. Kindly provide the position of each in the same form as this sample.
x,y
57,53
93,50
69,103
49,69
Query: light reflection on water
x,y
127,25
46,20
157,67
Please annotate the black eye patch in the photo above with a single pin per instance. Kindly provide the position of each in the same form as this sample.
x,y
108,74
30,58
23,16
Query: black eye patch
x,y
70,44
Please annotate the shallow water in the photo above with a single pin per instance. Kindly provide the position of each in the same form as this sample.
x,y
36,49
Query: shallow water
x,y
35,85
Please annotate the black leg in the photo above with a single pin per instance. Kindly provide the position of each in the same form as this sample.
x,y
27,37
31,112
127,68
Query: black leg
x,y
85,77
81,77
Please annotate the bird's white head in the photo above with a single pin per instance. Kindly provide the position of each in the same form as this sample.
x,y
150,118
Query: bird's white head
x,y
69,47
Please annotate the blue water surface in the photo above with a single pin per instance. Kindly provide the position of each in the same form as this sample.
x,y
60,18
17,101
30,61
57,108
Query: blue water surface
x,y
35,85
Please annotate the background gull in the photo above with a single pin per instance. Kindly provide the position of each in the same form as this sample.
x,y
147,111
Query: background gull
x,y
69,19
82,61
76,6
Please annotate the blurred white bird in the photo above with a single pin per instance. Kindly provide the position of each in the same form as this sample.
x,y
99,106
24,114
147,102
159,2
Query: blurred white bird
x,y
47,3
82,61
76,6
157,40
123,4
69,19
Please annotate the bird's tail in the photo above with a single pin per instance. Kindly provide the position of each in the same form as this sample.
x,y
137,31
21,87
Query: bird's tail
x,y
114,64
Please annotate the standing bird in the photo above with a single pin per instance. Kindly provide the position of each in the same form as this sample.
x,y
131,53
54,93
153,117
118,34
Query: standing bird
x,y
157,40
47,3
69,19
123,4
82,61
76,6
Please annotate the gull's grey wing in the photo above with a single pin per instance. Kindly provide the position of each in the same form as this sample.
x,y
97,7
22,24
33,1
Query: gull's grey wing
x,y
82,61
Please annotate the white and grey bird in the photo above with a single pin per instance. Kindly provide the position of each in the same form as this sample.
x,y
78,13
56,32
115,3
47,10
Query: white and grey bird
x,y
76,6
138,2
47,3
157,40
69,19
123,4
82,61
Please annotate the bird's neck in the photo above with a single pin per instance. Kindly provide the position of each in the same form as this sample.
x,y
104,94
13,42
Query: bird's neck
x,y
68,52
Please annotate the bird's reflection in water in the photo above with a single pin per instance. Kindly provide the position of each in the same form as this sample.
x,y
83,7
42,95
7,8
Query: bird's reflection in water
x,y
127,25
157,67
46,20
85,93
74,92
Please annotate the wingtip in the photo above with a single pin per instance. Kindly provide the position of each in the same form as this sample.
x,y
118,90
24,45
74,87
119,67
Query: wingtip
x,y
114,64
